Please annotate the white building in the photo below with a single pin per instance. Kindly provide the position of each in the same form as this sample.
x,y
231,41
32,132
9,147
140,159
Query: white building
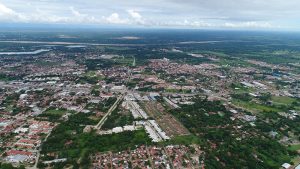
x,y
117,130
286,165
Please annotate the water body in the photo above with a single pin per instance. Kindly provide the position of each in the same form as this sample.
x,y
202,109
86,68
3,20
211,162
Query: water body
x,y
25,53
76,46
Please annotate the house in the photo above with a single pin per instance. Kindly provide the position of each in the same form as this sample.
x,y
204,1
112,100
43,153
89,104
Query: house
x,y
286,165
117,130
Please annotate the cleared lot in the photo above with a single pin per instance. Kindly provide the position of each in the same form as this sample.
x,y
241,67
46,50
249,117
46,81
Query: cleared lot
x,y
166,121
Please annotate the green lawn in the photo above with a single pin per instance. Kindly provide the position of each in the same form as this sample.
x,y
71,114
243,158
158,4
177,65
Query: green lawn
x,y
92,74
185,140
221,54
254,107
238,88
90,77
55,111
296,160
295,147
283,100
124,61
53,115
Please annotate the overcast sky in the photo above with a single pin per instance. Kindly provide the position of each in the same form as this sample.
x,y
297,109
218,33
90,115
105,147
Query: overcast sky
x,y
229,14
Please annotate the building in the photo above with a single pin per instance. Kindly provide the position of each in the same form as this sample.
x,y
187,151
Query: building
x,y
286,165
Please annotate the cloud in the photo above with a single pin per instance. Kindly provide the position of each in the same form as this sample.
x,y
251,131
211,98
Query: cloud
x,y
134,14
4,10
79,17
252,24
200,23
7,14
229,14
114,18
76,13
136,17
185,24
41,16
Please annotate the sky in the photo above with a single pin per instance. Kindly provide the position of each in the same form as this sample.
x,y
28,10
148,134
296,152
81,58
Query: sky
x,y
198,14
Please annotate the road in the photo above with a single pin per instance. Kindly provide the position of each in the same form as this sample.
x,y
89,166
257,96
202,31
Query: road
x,y
112,108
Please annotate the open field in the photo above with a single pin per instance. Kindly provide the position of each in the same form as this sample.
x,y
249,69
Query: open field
x,y
283,100
254,107
166,121
53,114
295,147
55,111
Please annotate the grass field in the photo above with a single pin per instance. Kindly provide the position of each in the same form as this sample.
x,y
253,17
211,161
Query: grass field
x,y
90,77
185,140
296,160
295,147
55,111
283,100
92,74
53,115
254,107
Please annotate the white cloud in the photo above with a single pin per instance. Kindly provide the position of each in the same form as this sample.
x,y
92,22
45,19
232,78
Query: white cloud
x,y
4,10
41,16
76,13
251,24
134,14
232,14
185,24
197,24
79,17
7,14
114,18
136,17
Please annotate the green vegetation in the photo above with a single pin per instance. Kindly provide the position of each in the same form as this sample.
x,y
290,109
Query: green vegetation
x,y
215,53
296,160
10,166
4,77
126,61
178,91
239,88
234,62
102,106
228,142
96,64
255,107
45,63
283,100
265,97
183,140
118,118
55,111
67,140
265,103
232,150
10,103
54,115
242,97
90,77
295,147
